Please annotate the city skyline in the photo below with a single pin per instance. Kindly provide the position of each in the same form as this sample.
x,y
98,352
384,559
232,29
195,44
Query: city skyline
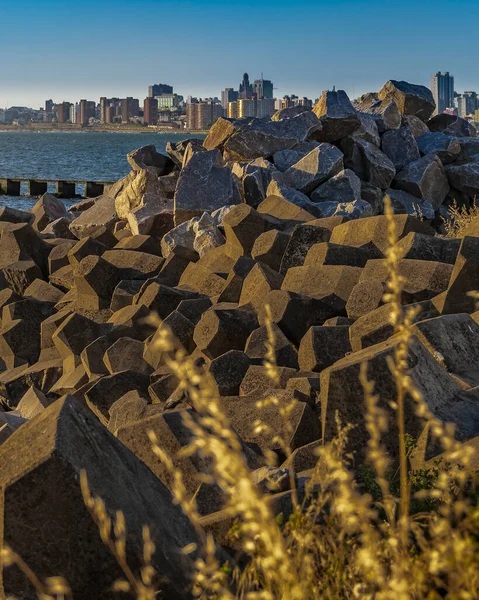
x,y
94,51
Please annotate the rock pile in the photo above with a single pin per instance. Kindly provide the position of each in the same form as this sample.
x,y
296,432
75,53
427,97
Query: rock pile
x,y
285,212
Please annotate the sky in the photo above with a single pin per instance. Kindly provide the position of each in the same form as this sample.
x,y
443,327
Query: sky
x,y
86,49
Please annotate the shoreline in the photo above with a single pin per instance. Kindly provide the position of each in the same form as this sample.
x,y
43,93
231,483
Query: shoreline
x,y
99,129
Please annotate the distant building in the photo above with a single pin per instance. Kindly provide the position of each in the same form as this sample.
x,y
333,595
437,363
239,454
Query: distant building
x,y
467,104
202,115
87,111
109,108
232,110
159,88
63,112
245,88
263,88
246,108
49,106
228,95
167,101
442,88
476,116
150,111
130,107
265,107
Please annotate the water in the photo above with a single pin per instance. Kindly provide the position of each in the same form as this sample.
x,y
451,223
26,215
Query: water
x,y
71,155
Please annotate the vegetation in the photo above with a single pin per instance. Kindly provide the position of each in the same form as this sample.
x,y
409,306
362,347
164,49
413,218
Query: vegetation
x,y
380,536
460,220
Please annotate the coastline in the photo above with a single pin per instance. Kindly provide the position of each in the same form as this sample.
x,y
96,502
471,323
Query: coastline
x,y
67,128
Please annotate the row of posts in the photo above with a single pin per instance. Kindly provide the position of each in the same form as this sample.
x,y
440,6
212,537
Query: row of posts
x,y
64,189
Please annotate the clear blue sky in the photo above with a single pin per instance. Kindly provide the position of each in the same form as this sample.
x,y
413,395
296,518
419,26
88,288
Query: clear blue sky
x,y
68,50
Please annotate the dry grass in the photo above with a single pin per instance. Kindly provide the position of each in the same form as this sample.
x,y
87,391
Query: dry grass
x,y
342,541
460,219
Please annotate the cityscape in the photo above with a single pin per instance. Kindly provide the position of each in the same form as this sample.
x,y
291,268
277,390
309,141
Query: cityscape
x,y
164,108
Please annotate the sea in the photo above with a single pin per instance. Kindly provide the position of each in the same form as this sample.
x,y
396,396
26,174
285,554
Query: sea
x,y
75,155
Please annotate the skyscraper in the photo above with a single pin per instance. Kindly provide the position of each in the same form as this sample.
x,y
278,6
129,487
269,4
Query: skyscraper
x,y
87,111
159,88
228,95
245,88
263,88
442,88
130,107
467,104
150,111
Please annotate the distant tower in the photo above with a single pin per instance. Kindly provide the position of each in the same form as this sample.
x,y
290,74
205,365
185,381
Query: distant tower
x,y
245,88
442,88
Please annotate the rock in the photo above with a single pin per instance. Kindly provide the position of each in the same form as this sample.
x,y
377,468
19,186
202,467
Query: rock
x,y
417,126
220,131
332,283
343,187
323,346
147,156
365,297
85,247
60,228
385,113
427,247
182,235
424,178
424,279
141,189
259,379
155,217
352,210
198,278
463,279
130,408
228,371
303,237
369,163
304,389
20,242
95,282
295,313
33,403
269,248
43,291
97,222
374,196
207,238
320,164
182,329
303,458
272,480
326,253
256,177
204,185
369,129
372,232
54,448
284,159
20,275
284,207
133,264
243,410
464,177
341,391
193,309
224,327
47,209
375,327
284,352
277,189
411,99
263,138
403,203
242,226
337,116
446,147
126,354
451,125
13,215
453,342
257,285
235,280
400,147
177,151
288,113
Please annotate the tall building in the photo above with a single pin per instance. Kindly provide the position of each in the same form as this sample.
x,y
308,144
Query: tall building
x,y
245,88
167,101
263,88
150,111
202,115
87,111
48,106
442,88
109,107
159,88
228,95
63,112
130,107
467,104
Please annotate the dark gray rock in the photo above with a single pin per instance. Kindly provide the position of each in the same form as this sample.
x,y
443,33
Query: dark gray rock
x,y
369,130
452,125
343,187
277,188
424,178
204,185
404,203
385,113
445,146
320,164
337,116
177,151
411,99
368,162
147,156
465,177
284,159
400,146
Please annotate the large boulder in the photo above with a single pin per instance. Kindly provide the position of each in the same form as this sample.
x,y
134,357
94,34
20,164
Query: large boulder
x,y
452,125
464,177
141,188
317,166
400,146
97,222
46,210
424,178
445,146
147,156
343,187
411,99
204,185
385,112
337,116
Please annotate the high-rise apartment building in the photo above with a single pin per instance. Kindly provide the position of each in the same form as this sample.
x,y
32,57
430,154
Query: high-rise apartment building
x,y
109,108
442,88
150,111
467,104
63,112
159,88
228,95
263,88
167,101
48,106
130,107
87,111
202,115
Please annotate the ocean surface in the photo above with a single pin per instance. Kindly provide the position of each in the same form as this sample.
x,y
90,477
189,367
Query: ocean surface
x,y
71,155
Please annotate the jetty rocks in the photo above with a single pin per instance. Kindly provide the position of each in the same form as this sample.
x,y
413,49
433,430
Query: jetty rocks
x,y
286,212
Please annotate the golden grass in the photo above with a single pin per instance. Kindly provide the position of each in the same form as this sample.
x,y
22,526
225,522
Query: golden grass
x,y
460,219
341,541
